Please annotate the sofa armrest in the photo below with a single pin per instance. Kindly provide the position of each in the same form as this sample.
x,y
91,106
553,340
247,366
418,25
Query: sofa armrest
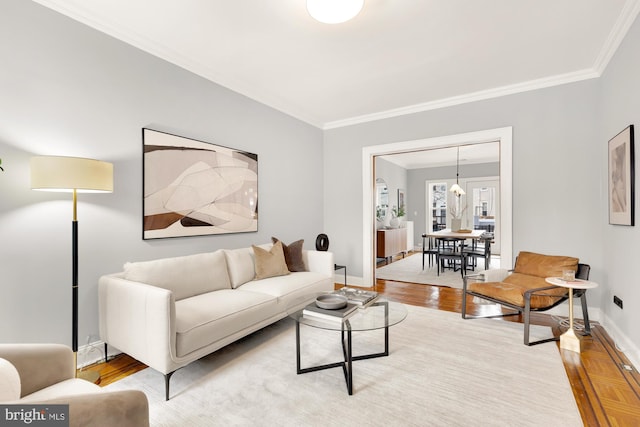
x,y
39,365
127,408
138,319
319,261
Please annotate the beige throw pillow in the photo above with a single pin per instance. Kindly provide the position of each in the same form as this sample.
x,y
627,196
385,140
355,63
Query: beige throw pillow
x,y
270,263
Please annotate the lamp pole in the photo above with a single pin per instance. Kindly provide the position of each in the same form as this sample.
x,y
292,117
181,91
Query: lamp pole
x,y
74,276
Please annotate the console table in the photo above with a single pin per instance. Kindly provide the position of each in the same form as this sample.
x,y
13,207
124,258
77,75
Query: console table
x,y
390,242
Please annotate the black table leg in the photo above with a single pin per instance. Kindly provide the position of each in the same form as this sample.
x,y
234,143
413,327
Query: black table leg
x,y
347,350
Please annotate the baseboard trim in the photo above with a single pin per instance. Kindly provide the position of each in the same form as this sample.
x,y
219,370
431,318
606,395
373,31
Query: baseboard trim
x,y
621,341
93,353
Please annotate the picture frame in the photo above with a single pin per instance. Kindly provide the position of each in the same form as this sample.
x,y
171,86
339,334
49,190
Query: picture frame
x,y
621,178
401,198
196,188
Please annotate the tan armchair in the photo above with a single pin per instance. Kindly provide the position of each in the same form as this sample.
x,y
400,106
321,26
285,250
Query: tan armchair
x,y
524,288
45,374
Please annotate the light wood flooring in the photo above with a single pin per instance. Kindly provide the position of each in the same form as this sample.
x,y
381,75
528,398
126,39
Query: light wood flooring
x,y
606,393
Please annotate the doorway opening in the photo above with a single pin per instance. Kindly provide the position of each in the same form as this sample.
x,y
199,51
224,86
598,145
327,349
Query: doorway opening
x,y
503,136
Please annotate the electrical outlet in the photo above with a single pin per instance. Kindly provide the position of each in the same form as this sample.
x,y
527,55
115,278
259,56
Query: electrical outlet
x,y
617,301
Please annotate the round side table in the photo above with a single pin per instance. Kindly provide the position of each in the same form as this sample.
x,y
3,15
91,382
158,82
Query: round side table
x,y
569,340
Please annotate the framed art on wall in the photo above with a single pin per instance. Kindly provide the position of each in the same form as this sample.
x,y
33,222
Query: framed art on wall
x,y
401,198
621,173
195,188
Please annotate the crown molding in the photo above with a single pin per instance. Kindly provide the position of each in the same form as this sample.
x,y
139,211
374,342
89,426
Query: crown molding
x,y
625,20
470,97
175,58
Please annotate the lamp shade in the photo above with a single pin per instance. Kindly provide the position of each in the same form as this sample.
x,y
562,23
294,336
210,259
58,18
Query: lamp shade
x,y
54,173
334,11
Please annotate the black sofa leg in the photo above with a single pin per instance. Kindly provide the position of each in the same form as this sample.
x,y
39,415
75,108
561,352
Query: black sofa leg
x,y
106,358
167,377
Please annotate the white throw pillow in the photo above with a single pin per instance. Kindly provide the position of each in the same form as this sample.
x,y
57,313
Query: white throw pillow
x,y
240,265
185,276
9,382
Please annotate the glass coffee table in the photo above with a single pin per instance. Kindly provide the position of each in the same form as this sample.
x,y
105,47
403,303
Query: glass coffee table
x,y
381,314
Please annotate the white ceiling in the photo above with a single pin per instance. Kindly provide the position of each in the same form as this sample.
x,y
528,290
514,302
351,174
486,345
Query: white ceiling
x,y
396,57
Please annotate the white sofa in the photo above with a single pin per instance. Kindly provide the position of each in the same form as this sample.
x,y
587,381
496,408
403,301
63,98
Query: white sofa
x,y
169,312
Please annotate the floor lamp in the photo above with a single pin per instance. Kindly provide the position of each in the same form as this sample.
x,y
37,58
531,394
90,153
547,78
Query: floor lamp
x,y
75,175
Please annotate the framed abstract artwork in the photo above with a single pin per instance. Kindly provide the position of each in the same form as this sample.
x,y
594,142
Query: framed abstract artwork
x,y
621,178
195,188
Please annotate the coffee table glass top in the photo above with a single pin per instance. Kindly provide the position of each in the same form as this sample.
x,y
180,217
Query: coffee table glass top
x,y
380,314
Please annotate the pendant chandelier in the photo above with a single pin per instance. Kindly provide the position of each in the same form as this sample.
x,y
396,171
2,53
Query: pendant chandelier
x,y
455,188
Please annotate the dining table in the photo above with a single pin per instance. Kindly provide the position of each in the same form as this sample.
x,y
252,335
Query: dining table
x,y
447,233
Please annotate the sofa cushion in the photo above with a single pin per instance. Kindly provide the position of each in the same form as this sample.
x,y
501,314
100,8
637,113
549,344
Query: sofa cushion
x,y
185,276
270,263
530,272
207,318
9,381
289,288
293,255
544,266
512,289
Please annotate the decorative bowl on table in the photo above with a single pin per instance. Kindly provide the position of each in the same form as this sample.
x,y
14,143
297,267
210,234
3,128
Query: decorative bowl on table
x,y
331,301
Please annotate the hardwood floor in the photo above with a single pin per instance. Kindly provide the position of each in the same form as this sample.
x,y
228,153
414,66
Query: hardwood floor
x,y
606,393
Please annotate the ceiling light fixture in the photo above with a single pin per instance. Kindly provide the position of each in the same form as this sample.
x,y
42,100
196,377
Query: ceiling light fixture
x,y
334,11
455,188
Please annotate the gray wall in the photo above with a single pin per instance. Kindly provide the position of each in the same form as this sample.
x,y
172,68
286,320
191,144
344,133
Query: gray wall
x,y
556,148
620,101
69,90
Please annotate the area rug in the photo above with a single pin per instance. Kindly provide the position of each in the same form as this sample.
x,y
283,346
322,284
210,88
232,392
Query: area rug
x,y
441,371
409,269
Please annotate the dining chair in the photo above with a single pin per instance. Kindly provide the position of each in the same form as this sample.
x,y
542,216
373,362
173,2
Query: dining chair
x,y
479,249
429,249
449,250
